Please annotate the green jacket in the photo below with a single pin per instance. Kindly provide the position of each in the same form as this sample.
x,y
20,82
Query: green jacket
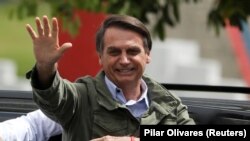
x,y
86,109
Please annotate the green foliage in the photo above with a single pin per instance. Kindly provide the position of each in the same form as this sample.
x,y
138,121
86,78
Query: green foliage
x,y
233,10
165,11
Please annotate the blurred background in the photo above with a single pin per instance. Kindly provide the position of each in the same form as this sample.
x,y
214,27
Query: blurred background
x,y
191,44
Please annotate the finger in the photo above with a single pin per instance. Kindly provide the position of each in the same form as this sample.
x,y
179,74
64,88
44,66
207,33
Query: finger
x,y
46,26
39,26
32,33
65,47
55,28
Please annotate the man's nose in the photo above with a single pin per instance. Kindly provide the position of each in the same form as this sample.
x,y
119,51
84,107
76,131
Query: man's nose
x,y
124,59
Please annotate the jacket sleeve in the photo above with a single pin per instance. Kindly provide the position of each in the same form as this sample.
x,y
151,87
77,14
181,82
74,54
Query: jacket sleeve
x,y
183,117
59,101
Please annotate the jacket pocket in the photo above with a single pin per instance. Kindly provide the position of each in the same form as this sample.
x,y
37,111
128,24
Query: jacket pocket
x,y
109,123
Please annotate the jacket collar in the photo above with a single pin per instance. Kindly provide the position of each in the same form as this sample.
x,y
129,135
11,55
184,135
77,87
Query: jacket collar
x,y
161,102
104,97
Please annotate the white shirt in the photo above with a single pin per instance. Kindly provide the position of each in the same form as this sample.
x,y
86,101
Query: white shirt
x,y
34,126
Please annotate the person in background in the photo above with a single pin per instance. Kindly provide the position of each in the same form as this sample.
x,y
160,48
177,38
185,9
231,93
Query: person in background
x,y
34,126
113,104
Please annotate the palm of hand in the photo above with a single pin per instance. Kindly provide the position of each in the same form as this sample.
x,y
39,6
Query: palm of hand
x,y
46,43
46,50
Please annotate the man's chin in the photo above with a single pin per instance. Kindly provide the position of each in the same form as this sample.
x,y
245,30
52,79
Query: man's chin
x,y
126,81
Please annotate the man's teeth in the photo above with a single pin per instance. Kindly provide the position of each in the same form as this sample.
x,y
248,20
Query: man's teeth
x,y
125,70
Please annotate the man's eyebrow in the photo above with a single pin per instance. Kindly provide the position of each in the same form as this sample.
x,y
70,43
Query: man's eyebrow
x,y
112,48
134,48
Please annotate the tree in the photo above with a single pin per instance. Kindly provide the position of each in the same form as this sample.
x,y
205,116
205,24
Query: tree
x,y
233,10
165,11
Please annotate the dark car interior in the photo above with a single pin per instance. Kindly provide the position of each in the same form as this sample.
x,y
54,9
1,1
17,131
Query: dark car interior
x,y
203,110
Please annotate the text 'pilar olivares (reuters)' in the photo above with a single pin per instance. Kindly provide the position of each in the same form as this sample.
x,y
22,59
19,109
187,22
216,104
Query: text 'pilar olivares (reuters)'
x,y
195,132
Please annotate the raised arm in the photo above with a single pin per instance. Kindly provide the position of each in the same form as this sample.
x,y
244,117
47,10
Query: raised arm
x,y
46,48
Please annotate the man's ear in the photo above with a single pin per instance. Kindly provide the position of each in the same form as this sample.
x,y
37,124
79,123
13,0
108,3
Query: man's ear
x,y
100,59
148,58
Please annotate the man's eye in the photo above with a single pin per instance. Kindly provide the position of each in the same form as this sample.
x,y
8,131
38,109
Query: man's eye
x,y
114,53
133,52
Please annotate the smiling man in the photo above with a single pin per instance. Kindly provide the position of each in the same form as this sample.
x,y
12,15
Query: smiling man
x,y
112,105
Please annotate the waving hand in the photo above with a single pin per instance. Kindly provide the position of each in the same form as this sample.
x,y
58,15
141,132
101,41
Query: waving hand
x,y
46,46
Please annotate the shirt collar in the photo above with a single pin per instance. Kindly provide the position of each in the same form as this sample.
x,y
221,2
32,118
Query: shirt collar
x,y
117,93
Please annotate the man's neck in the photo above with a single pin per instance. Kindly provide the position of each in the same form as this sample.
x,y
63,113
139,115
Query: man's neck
x,y
132,91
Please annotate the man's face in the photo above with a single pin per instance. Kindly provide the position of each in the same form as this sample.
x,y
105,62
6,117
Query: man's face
x,y
124,57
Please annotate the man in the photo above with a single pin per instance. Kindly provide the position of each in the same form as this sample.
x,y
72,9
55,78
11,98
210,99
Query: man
x,y
118,100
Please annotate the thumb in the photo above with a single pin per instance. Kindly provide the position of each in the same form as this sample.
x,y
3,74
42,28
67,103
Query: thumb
x,y
65,47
